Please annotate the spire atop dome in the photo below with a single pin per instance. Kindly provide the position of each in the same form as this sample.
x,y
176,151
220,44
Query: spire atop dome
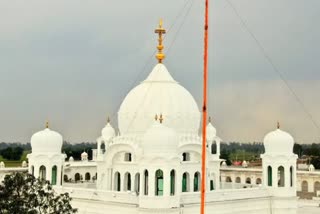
x,y
47,124
278,125
160,31
156,117
209,119
161,118
108,119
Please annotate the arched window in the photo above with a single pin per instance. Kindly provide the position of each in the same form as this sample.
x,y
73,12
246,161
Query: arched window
x,y
185,182
196,182
65,178
159,182
316,186
87,176
211,185
280,176
127,157
127,181
228,179
248,180
77,177
291,176
258,181
186,156
172,182
42,173
137,183
214,147
304,186
117,182
269,176
54,175
103,147
238,180
146,181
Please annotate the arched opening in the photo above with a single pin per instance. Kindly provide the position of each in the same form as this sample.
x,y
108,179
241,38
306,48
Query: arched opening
x,y
228,179
291,176
77,177
186,156
269,176
54,175
65,178
137,183
280,176
32,170
248,180
87,176
258,181
214,147
238,180
211,185
127,157
304,186
103,147
196,182
172,182
146,181
127,181
185,182
316,186
117,182
159,182
42,173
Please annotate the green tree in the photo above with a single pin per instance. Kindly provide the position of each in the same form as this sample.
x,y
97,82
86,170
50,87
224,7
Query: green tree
x,y
24,194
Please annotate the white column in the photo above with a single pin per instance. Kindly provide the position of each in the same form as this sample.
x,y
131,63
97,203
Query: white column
x,y
48,173
274,176
287,176
151,183
36,171
122,182
191,183
166,182
218,148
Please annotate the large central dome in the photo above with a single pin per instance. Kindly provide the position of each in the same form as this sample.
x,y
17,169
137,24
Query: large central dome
x,y
158,94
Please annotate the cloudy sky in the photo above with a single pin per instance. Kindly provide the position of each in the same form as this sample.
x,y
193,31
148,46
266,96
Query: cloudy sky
x,y
73,62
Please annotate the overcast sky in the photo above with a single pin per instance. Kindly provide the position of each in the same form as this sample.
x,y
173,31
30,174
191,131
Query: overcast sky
x,y
73,62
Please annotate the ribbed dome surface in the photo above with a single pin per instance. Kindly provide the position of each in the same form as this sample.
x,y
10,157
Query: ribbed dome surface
x,y
158,94
46,141
278,142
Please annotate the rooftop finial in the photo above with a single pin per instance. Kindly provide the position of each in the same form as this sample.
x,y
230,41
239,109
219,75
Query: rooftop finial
x,y
156,117
160,31
47,124
278,125
209,119
161,118
108,119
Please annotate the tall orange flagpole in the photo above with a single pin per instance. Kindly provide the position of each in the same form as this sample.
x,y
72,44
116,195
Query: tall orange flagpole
x,y
204,109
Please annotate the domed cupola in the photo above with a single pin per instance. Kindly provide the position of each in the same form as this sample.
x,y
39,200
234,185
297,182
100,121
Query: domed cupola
x,y
211,131
46,141
278,142
159,93
160,140
108,132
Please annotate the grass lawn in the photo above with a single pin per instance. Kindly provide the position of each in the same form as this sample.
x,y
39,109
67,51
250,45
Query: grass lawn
x,y
15,163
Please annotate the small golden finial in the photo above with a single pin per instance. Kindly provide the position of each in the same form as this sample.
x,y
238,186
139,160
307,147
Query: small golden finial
x,y
108,119
47,124
209,119
278,125
160,31
156,117
161,118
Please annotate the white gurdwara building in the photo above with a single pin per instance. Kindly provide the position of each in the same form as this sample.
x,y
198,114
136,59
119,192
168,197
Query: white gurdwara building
x,y
153,165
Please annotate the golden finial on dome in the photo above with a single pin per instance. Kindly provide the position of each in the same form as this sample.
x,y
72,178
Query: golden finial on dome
x,y
278,125
47,124
160,31
161,118
108,119
156,117
209,119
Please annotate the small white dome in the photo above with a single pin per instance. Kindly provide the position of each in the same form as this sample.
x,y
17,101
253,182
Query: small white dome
x,y
159,93
278,142
311,168
46,141
24,164
211,132
71,159
2,165
84,154
160,140
244,164
108,132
